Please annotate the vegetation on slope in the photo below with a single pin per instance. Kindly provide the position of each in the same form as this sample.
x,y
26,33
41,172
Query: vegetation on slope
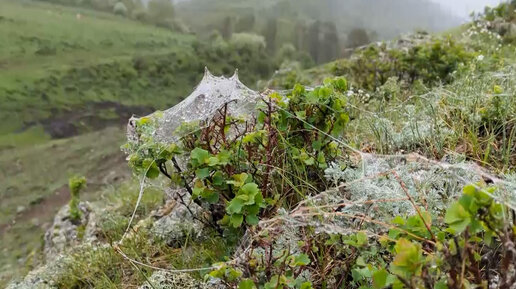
x,y
99,74
322,29
447,98
33,187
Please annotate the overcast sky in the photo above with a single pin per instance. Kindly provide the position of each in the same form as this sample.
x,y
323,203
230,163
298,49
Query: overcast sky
x,y
464,7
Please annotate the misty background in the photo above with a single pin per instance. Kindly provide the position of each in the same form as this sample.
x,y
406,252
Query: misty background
x,y
463,8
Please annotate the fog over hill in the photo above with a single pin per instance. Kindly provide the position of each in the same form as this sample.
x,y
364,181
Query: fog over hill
x,y
387,18
463,8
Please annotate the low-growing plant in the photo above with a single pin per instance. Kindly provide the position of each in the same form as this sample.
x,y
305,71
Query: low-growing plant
x,y
431,63
473,246
76,184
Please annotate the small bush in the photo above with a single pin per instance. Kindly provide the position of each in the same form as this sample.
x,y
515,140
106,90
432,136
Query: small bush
x,y
274,162
76,184
120,9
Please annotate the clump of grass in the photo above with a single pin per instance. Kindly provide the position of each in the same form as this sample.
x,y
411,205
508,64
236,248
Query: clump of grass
x,y
104,267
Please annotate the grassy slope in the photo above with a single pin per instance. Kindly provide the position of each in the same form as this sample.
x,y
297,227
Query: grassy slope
x,y
55,63
46,46
34,182
42,42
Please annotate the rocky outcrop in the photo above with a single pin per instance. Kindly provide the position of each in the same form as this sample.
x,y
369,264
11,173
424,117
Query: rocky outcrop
x,y
42,277
65,233
174,221
504,28
166,280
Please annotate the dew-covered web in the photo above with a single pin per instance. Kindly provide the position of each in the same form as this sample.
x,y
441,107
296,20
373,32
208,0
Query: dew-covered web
x,y
364,197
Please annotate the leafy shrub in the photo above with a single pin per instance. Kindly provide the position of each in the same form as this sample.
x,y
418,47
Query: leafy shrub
x,y
472,246
76,184
273,161
431,63
247,41
160,11
120,9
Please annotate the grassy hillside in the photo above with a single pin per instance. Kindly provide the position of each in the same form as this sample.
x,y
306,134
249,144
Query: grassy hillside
x,y
34,185
62,66
46,46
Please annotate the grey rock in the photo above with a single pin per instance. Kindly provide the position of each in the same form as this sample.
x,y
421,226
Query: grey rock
x,y
504,28
41,278
167,280
65,234
175,221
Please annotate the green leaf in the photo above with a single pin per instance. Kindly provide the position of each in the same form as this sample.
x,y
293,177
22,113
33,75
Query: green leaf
x,y
238,180
301,114
306,285
202,173
441,285
261,117
251,220
361,262
316,145
380,279
199,156
457,218
246,284
152,170
340,84
251,190
212,161
235,206
310,161
210,196
233,274
236,220
253,209
197,190
408,260
224,157
361,238
398,220
300,260
218,178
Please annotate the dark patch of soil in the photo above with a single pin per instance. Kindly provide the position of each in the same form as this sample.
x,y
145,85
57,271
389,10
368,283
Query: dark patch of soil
x,y
90,117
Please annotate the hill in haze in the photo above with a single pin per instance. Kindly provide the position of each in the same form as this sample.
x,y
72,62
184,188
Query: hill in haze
x,y
387,18
323,29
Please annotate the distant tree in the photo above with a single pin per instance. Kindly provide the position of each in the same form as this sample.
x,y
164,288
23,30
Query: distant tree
x,y
130,5
287,52
246,23
358,37
300,35
160,11
271,34
330,43
248,41
314,40
285,8
227,28
120,9
139,14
